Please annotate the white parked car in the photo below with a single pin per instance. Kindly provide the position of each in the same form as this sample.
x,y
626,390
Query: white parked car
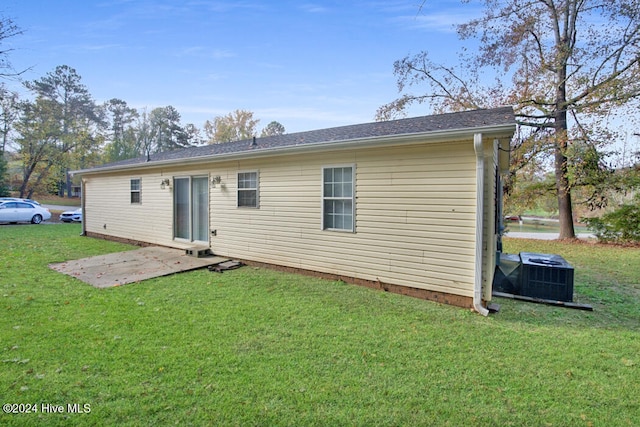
x,y
20,211
71,216
15,199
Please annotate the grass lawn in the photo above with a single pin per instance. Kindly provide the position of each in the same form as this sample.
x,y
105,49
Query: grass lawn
x,y
258,347
55,200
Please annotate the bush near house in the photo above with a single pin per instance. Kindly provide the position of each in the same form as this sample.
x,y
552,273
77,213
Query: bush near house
x,y
619,226
260,347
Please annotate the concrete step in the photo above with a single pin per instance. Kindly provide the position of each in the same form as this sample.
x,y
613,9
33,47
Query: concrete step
x,y
198,252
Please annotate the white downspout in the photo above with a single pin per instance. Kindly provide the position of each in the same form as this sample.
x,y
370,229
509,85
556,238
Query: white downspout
x,y
82,203
477,289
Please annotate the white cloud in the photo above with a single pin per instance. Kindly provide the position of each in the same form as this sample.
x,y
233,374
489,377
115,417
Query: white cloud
x,y
98,47
313,8
439,22
225,6
439,17
206,52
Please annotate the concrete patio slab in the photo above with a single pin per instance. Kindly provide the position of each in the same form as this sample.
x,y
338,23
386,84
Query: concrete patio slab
x,y
105,271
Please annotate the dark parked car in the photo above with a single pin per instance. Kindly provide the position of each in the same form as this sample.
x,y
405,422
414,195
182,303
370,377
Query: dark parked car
x,y
19,211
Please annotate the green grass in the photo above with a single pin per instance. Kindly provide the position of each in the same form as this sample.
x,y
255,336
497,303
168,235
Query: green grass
x,y
540,212
259,347
55,200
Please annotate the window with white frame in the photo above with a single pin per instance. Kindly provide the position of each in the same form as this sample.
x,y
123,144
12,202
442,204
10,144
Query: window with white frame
x,y
338,198
136,184
248,189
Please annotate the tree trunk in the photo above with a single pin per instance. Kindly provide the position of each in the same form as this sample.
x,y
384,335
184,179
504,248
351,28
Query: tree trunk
x,y
26,174
563,189
565,210
69,183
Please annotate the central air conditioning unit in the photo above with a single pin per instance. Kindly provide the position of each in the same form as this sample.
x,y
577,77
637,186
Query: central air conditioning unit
x,y
541,276
546,276
507,275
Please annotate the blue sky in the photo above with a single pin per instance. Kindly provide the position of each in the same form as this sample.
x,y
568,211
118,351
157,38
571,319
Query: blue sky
x,y
307,65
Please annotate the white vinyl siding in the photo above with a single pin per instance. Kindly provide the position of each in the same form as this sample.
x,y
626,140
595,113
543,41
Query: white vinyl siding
x,y
489,232
108,212
248,190
415,216
338,198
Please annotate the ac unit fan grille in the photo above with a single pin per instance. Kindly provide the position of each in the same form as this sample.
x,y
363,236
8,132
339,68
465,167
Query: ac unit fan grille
x,y
553,281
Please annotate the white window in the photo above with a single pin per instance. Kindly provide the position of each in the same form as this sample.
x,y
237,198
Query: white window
x,y
136,185
338,198
248,190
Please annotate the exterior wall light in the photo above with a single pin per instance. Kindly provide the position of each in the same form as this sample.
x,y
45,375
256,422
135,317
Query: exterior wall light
x,y
215,180
165,183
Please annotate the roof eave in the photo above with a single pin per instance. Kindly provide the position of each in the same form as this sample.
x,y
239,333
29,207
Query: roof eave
x,y
498,131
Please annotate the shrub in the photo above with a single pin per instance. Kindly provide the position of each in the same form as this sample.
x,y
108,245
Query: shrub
x,y
619,226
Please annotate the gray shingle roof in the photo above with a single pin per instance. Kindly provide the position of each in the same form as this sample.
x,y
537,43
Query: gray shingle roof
x,y
465,120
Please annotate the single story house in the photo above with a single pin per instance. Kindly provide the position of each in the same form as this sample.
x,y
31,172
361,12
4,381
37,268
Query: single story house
x,y
409,206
